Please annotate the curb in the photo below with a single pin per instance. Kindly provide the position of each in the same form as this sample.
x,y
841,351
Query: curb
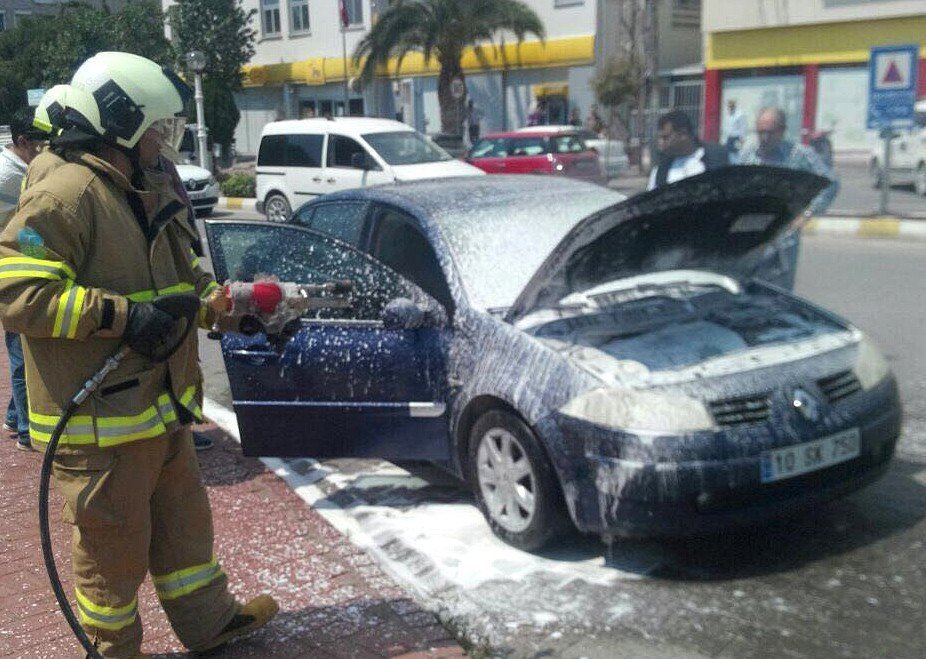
x,y
877,227
237,203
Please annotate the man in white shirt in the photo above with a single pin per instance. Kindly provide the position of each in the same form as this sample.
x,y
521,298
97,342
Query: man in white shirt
x,y
737,126
682,154
14,159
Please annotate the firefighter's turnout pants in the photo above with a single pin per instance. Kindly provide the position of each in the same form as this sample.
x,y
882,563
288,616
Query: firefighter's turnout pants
x,y
136,507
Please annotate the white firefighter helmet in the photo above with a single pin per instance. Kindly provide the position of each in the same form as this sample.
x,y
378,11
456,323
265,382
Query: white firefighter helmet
x,y
128,94
50,110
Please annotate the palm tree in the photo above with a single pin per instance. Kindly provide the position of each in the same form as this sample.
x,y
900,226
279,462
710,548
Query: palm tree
x,y
444,28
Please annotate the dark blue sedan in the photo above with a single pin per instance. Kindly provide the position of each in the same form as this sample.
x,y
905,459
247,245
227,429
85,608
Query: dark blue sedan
x,y
578,358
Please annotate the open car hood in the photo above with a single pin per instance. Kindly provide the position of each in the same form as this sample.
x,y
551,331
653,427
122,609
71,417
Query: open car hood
x,y
718,221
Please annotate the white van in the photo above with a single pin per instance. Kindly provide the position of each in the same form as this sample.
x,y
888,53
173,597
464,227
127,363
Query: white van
x,y
302,159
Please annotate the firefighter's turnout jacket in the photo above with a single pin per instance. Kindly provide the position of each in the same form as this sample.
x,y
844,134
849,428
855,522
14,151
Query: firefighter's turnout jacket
x,y
83,243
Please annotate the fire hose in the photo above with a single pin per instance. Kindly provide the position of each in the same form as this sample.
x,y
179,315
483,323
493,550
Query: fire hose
x,y
265,304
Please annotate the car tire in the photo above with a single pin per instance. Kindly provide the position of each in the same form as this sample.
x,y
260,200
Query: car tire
x,y
510,470
875,174
277,209
919,180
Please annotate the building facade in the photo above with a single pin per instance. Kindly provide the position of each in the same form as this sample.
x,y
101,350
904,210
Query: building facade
x,y
809,57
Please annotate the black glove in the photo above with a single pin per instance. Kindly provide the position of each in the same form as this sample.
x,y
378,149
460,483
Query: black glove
x,y
149,329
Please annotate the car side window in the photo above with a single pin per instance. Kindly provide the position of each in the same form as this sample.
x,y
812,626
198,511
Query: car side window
x,y
490,148
343,220
529,146
304,150
568,144
399,244
342,149
272,152
243,250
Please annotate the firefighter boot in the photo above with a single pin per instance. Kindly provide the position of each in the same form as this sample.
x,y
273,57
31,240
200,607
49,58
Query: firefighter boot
x,y
251,616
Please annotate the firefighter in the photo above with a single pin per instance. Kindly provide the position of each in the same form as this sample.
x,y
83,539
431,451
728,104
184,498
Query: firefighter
x,y
83,264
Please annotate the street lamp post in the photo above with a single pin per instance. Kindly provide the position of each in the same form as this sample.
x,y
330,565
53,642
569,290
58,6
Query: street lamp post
x,y
196,62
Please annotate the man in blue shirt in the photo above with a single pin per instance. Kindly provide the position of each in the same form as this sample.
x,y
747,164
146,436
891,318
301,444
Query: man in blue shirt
x,y
772,149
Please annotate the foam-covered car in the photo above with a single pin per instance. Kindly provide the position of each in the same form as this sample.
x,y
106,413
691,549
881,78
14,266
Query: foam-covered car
x,y
578,358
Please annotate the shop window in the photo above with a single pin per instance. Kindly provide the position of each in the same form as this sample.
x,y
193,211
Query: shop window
x,y
354,11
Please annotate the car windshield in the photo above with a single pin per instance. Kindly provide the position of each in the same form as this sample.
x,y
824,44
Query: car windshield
x,y
405,148
498,243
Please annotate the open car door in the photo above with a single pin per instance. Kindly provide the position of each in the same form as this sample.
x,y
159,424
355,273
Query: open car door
x,y
340,382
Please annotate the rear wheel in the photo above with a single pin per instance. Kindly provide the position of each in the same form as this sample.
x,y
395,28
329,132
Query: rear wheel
x,y
919,180
515,485
277,208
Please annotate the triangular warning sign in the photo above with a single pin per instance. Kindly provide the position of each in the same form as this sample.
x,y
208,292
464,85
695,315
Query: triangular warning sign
x,y
892,75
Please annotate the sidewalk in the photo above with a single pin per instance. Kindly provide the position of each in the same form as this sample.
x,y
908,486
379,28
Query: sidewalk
x,y
335,602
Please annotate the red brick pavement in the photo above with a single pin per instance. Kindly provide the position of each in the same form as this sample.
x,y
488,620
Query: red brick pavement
x,y
335,602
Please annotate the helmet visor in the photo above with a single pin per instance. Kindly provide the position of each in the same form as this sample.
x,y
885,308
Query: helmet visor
x,y
170,131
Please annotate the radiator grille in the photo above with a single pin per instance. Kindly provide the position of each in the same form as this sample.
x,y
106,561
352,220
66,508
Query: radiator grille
x,y
740,411
839,386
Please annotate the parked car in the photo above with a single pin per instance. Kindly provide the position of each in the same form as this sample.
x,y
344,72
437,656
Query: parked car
x,y
302,159
612,154
574,356
557,154
908,155
201,187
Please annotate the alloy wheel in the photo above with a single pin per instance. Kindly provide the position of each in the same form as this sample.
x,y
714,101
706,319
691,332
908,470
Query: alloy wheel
x,y
506,479
277,209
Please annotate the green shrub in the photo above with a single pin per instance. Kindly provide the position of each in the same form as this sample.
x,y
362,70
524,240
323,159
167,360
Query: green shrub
x,y
238,185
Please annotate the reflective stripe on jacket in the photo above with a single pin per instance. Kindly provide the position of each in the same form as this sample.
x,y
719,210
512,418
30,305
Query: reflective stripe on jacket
x,y
72,257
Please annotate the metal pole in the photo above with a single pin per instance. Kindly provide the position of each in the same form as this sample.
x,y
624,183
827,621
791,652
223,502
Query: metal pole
x,y
886,133
204,159
344,51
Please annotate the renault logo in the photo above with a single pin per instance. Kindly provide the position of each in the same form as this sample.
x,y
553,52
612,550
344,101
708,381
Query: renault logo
x,y
806,404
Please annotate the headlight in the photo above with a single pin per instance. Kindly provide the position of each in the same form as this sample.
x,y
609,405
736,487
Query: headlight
x,y
211,181
639,411
870,365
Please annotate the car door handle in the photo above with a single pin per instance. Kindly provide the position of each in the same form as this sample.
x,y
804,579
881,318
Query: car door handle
x,y
316,179
256,355
332,180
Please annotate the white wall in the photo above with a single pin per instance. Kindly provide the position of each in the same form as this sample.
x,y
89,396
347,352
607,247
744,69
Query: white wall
x,y
842,105
721,15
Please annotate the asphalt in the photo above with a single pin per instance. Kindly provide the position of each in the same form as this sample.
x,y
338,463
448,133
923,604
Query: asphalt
x,y
335,602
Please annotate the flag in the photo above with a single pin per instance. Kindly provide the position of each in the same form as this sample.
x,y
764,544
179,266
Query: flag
x,y
342,7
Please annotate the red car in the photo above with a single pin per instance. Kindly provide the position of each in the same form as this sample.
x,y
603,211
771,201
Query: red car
x,y
559,154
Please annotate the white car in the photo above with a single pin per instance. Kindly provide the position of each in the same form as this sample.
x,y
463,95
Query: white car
x,y
303,159
908,155
611,152
201,187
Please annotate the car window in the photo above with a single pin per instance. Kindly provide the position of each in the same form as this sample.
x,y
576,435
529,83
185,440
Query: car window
x,y
529,146
568,144
341,149
272,151
398,243
342,220
304,150
405,147
243,250
587,135
495,147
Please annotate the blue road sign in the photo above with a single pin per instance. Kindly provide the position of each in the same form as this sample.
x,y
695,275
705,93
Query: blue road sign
x,y
892,86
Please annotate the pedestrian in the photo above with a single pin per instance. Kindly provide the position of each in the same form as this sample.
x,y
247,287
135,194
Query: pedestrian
x,y
737,126
84,259
593,121
575,119
681,153
535,116
772,149
14,159
473,121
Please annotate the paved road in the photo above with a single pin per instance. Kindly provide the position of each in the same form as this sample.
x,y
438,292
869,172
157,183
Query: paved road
x,y
845,581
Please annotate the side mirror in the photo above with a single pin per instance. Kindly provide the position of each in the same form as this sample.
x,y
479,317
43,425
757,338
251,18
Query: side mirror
x,y
361,161
402,313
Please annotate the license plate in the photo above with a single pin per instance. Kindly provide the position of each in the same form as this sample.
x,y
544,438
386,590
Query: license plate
x,y
810,456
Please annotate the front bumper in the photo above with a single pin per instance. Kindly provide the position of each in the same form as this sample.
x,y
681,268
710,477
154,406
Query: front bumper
x,y
208,197
708,482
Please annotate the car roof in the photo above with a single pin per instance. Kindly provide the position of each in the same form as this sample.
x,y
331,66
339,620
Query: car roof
x,y
509,134
549,128
430,198
340,125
